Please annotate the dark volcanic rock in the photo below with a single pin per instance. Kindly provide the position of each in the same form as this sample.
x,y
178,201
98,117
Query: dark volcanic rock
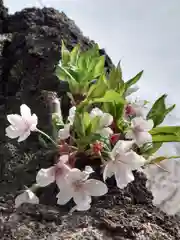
x,y
29,50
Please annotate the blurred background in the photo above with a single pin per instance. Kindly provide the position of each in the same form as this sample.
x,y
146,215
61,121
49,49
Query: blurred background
x,y
142,34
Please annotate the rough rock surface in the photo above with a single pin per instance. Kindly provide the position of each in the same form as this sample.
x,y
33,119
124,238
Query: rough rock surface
x,y
29,50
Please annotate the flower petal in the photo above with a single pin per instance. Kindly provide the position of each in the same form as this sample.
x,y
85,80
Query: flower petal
x,y
82,207
95,187
108,170
25,111
81,198
106,132
72,112
16,120
45,176
24,135
142,138
123,176
133,160
121,147
11,132
106,120
33,121
26,197
65,132
96,112
130,134
64,196
76,175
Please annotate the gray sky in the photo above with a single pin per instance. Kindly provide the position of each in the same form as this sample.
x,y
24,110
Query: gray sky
x,y
143,34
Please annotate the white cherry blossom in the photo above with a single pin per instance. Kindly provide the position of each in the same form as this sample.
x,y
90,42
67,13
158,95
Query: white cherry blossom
x,y
106,120
123,161
72,112
139,131
26,197
80,188
21,125
55,173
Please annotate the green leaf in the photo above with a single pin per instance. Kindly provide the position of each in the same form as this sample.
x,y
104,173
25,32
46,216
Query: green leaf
x,y
154,148
86,120
159,111
166,129
65,54
74,55
78,125
98,89
161,158
133,80
110,96
165,138
115,77
95,124
99,67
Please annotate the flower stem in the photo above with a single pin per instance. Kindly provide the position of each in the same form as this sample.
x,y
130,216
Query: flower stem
x,y
47,136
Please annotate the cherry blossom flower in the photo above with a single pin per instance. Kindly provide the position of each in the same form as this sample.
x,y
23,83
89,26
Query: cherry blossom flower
x,y
21,125
139,131
26,197
97,147
55,173
123,161
80,188
72,112
106,120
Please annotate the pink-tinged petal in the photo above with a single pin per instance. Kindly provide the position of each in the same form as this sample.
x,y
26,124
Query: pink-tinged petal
x,y
108,170
142,138
81,198
24,136
45,176
25,112
64,159
75,175
33,121
133,160
123,176
95,187
11,132
141,124
106,120
16,120
64,196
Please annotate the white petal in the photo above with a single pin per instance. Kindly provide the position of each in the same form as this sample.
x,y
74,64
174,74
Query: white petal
x,y
65,132
133,160
142,138
26,197
16,120
96,112
123,176
121,147
33,121
108,170
11,132
72,112
81,198
106,132
142,124
75,175
106,120
130,134
24,136
64,196
25,111
82,207
45,176
64,159
95,187
88,170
